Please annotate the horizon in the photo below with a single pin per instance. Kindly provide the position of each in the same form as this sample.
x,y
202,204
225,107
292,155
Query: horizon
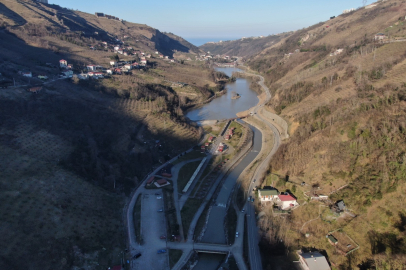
x,y
214,21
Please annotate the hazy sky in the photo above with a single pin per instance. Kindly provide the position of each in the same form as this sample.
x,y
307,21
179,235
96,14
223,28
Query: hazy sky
x,y
217,19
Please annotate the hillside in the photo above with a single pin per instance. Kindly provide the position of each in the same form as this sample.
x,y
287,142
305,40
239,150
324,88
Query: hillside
x,y
72,148
244,47
341,87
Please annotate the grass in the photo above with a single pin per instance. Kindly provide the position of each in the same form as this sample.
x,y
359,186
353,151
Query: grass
x,y
202,220
238,133
231,224
191,155
137,220
219,128
174,256
185,173
188,212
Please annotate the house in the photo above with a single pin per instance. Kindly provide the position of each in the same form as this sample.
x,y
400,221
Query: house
x,y
26,73
113,63
69,66
286,201
313,261
91,67
266,195
162,182
120,51
156,52
227,137
211,138
63,63
67,73
109,71
332,239
135,65
172,61
128,66
380,36
143,61
99,14
161,56
125,53
117,71
116,48
202,148
166,57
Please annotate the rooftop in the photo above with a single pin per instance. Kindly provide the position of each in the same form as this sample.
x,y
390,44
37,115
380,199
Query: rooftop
x,y
268,192
315,261
285,198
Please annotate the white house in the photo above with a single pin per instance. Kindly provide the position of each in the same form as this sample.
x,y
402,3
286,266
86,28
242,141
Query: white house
x,y
267,195
109,71
26,74
91,67
113,63
313,261
83,76
128,66
116,48
63,63
143,61
156,52
286,201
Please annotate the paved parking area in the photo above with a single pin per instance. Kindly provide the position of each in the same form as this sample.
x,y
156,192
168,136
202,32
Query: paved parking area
x,y
152,227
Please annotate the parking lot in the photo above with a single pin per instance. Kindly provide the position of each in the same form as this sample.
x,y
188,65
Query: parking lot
x,y
152,227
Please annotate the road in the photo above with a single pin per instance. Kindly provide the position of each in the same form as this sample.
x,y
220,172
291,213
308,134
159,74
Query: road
x,y
237,248
253,237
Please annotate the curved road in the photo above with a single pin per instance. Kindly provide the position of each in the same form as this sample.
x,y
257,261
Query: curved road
x,y
237,247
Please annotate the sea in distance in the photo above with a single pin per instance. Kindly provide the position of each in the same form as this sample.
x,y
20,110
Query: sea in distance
x,y
200,41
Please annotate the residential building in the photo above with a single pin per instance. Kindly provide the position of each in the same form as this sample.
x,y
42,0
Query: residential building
x,y
128,66
109,71
380,36
267,195
91,67
26,74
143,61
286,201
63,63
67,73
113,63
313,261
35,89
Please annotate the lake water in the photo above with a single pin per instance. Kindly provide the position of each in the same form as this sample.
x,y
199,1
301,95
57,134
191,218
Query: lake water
x,y
224,107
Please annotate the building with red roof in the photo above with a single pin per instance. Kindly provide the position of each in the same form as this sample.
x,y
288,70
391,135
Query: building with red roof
x,y
286,201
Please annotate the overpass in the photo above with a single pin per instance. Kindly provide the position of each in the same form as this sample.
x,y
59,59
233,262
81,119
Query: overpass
x,y
211,248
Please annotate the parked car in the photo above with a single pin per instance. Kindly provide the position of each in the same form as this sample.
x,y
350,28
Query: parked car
x,y
243,210
160,210
136,256
159,197
162,237
161,251
236,234
249,199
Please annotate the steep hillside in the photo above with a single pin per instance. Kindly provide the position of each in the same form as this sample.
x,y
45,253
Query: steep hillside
x,y
57,19
244,47
73,149
342,90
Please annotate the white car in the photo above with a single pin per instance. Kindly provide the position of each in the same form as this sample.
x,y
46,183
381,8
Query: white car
x,y
159,197
236,234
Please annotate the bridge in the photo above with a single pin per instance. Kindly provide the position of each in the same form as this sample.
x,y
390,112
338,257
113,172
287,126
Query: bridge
x,y
201,247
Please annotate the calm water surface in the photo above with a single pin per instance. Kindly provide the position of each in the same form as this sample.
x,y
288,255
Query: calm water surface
x,y
224,107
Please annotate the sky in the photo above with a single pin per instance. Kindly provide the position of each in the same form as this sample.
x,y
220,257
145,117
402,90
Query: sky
x,y
214,20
